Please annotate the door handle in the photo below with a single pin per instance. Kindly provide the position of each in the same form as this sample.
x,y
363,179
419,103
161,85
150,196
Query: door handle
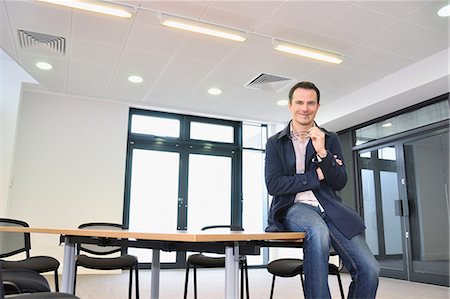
x,y
400,208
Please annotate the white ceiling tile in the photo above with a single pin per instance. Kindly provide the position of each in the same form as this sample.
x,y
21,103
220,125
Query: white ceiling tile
x,y
396,8
160,40
409,40
90,80
132,63
191,69
253,58
123,90
170,92
360,58
388,66
39,17
308,15
329,43
282,31
231,19
356,24
93,52
207,48
54,79
294,67
189,9
257,9
100,28
427,16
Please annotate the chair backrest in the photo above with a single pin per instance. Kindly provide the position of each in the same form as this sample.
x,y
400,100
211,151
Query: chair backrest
x,y
231,227
12,243
104,247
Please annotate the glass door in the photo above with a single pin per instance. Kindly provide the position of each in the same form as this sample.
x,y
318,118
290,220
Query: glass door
x,y
427,179
153,196
381,201
209,191
404,191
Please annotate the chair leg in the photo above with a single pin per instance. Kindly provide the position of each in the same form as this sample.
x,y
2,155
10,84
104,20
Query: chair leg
x,y
242,280
130,283
186,279
273,285
75,279
195,282
56,281
340,285
136,269
246,279
303,284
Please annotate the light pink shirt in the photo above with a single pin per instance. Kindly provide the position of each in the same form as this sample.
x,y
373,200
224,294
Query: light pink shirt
x,y
300,145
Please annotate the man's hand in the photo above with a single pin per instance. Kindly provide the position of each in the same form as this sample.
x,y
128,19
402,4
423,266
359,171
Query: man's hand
x,y
338,161
318,141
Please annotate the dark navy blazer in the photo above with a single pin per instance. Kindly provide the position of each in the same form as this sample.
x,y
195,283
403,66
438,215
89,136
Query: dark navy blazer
x,y
284,183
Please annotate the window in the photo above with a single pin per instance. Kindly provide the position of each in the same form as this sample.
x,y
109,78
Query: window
x,y
158,126
423,116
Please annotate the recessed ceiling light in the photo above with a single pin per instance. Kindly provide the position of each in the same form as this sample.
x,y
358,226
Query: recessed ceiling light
x,y
44,65
135,79
444,11
386,125
282,102
214,91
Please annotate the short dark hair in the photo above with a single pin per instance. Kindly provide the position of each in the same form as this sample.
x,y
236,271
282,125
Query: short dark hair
x,y
304,85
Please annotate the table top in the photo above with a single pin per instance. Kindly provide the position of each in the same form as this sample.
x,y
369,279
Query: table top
x,y
216,235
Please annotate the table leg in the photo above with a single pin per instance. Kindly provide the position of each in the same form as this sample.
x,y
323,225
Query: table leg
x,y
68,267
232,272
155,274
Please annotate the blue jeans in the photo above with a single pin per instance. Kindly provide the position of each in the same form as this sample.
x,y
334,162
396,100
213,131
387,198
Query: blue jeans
x,y
320,234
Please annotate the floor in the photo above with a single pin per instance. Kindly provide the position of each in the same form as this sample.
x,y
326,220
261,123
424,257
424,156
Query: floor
x,y
211,286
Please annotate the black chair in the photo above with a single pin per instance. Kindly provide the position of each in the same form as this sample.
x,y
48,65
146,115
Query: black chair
x,y
14,243
201,260
12,284
104,247
289,267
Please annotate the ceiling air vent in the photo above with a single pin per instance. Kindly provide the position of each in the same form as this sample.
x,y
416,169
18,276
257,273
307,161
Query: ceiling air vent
x,y
30,39
267,82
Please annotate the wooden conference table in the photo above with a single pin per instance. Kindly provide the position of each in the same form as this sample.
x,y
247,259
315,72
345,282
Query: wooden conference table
x,y
231,242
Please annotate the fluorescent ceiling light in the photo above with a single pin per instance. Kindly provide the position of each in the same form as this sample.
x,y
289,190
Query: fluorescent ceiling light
x,y
307,52
386,125
95,6
44,66
444,11
201,27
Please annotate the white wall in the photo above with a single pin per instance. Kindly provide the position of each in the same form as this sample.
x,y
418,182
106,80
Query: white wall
x,y
69,164
11,78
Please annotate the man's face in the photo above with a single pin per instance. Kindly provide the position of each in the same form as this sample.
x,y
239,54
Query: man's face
x,y
304,106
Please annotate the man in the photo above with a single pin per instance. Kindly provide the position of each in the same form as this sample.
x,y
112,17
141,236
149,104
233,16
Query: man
x,y
304,169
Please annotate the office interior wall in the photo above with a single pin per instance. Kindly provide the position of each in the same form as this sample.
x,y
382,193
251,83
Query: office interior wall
x,y
12,76
69,164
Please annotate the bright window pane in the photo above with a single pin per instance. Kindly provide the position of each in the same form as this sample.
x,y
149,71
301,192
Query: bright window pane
x,y
212,132
154,196
254,136
209,191
158,126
